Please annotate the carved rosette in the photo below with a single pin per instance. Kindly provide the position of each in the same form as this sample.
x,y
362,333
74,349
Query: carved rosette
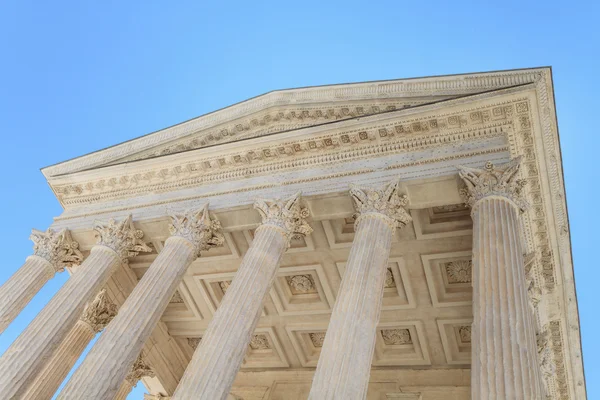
x,y
99,312
494,181
285,215
386,202
57,247
138,371
122,237
198,228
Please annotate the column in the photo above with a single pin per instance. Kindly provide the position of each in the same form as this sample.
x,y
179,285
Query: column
x,y
504,352
138,371
52,252
102,371
217,360
345,361
25,358
95,317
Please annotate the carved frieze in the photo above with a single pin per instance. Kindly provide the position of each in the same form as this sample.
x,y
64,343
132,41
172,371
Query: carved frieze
x,y
353,144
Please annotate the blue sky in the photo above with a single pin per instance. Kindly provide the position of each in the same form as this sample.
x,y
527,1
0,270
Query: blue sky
x,y
79,76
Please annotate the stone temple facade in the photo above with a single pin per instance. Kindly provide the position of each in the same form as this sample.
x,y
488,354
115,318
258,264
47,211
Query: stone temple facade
x,y
403,239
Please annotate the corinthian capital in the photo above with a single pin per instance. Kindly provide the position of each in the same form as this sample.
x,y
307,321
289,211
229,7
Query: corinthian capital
x,y
386,202
99,312
287,215
494,181
139,369
198,228
56,247
122,237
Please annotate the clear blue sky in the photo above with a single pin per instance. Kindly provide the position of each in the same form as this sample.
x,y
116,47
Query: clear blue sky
x,y
79,76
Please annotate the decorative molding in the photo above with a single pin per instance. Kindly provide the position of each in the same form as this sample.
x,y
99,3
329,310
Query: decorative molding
x,y
122,237
500,181
58,248
386,202
285,215
198,228
457,85
99,312
379,138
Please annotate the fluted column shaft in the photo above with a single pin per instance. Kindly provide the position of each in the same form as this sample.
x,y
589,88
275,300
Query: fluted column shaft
x,y
27,355
63,359
52,252
123,391
103,370
345,361
504,356
95,317
20,288
217,360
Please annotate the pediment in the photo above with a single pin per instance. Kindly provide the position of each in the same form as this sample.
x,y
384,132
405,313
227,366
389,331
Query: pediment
x,y
286,110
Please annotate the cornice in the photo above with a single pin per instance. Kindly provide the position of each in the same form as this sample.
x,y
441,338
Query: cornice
x,y
456,85
400,131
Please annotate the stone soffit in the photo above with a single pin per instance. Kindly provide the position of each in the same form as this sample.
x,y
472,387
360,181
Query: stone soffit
x,y
513,116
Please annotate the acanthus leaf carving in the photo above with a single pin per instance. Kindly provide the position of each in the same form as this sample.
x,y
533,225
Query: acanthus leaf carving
x,y
99,312
198,228
122,237
387,202
286,215
494,180
139,370
58,248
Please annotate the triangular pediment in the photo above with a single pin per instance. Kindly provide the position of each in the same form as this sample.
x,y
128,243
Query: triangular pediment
x,y
291,109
